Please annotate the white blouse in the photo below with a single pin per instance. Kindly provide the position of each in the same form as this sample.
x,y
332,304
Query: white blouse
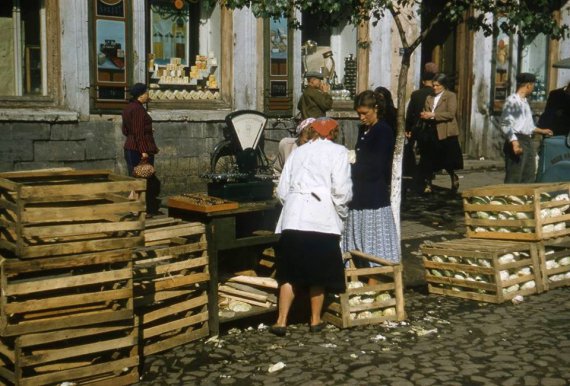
x,y
315,188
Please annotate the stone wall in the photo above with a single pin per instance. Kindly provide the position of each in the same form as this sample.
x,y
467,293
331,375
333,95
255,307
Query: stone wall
x,y
185,148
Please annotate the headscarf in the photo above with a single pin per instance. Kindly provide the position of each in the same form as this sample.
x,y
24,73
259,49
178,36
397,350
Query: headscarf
x,y
324,126
303,125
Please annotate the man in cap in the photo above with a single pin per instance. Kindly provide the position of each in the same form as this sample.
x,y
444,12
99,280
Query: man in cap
x,y
518,127
316,100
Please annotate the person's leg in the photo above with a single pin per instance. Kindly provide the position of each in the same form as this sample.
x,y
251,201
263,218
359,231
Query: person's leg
x,y
528,172
317,299
513,165
286,296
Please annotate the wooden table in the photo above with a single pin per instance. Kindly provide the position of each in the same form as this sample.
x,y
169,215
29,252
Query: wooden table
x,y
229,230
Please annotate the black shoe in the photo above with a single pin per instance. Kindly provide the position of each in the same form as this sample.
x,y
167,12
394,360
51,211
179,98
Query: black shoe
x,y
454,182
278,330
318,327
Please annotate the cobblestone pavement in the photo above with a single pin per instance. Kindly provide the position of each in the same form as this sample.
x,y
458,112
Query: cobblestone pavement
x,y
444,341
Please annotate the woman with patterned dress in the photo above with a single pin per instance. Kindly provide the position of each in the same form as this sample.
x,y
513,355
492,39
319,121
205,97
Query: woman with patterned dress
x,y
370,227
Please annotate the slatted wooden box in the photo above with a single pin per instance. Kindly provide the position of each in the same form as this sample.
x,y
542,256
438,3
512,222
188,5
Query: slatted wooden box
x,y
367,303
47,213
171,281
55,293
491,271
105,354
554,257
519,212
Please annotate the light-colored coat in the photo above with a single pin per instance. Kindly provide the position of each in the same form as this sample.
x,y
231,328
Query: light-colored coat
x,y
315,188
445,114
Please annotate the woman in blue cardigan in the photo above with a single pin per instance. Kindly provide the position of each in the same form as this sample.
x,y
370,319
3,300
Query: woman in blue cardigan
x,y
370,226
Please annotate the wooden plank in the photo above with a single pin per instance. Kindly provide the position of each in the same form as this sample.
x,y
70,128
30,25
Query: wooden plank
x,y
67,301
224,289
82,229
14,266
29,340
175,325
79,213
175,341
374,259
84,319
259,281
173,231
73,248
54,172
43,356
29,192
181,281
93,370
29,287
151,316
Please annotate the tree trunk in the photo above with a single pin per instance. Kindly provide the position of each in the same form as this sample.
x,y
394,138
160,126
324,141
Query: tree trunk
x,y
396,192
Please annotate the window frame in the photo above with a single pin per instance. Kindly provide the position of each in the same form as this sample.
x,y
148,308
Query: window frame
x,y
268,78
225,63
50,39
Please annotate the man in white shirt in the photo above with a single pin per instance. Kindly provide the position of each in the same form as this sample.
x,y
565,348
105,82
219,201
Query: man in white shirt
x,y
518,127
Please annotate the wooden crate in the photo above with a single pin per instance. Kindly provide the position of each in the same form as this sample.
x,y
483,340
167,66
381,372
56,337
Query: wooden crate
x,y
201,202
105,354
386,295
491,271
62,292
47,214
519,212
554,257
171,278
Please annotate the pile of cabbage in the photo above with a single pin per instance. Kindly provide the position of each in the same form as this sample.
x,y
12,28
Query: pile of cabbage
x,y
369,297
526,214
556,263
505,275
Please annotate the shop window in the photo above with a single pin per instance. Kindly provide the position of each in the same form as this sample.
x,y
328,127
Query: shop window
x,y
112,50
279,87
23,63
533,58
184,48
331,51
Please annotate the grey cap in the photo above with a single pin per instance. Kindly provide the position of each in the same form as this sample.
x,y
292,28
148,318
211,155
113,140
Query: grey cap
x,y
314,74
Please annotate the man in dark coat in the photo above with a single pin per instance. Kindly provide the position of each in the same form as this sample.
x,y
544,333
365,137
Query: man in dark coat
x,y
556,115
415,107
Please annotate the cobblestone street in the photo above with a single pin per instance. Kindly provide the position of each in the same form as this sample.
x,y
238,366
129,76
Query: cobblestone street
x,y
444,341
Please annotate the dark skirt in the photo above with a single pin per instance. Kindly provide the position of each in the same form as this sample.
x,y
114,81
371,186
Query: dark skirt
x,y
308,259
440,154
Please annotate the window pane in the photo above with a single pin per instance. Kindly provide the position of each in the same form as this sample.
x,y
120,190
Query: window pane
x,y
21,48
183,62
534,60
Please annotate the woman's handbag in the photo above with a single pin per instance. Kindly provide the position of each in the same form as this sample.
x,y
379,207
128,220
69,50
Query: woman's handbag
x,y
143,169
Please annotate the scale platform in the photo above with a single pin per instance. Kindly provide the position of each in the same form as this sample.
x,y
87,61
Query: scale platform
x,y
245,191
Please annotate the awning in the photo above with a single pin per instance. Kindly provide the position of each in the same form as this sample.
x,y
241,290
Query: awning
x,y
564,63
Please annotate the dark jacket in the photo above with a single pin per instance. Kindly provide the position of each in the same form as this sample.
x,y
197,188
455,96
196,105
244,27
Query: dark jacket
x,y
416,106
137,127
556,114
372,171
314,103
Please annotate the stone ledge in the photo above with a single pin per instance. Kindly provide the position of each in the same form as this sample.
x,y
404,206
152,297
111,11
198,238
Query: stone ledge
x,y
38,115
188,115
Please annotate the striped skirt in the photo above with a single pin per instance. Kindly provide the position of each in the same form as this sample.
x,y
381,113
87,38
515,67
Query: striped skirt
x,y
372,231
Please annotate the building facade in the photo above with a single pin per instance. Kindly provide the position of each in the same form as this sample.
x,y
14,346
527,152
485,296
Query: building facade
x,y
67,66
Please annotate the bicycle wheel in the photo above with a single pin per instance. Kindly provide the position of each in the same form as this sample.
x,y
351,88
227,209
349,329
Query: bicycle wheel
x,y
223,159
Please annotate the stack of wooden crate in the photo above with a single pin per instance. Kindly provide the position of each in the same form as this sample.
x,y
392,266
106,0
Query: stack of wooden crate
x,y
66,303
171,280
518,244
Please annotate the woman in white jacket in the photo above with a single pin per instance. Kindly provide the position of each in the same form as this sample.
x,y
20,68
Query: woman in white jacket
x,y
315,188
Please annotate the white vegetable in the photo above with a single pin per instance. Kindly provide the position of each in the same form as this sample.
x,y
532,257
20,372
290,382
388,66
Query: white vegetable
x,y
548,228
524,271
389,311
528,285
564,261
504,275
551,264
355,284
383,297
559,226
506,258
